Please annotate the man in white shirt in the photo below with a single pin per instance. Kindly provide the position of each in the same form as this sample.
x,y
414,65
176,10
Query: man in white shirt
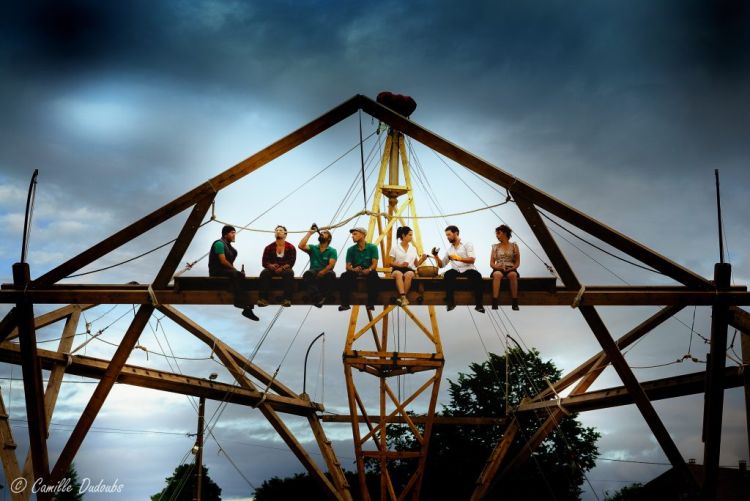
x,y
460,256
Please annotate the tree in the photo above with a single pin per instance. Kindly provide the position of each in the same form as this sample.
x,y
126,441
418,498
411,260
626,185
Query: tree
x,y
457,454
632,492
303,486
182,482
74,491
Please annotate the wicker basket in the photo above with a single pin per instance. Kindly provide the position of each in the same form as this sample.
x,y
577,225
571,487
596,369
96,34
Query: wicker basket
x,y
428,270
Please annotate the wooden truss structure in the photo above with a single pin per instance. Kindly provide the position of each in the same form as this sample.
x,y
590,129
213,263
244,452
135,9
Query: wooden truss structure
x,y
160,295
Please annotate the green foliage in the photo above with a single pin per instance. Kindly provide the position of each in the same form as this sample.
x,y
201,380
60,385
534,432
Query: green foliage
x,y
633,492
303,486
458,453
72,494
182,482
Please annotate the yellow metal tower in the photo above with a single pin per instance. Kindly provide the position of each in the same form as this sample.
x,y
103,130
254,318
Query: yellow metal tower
x,y
370,433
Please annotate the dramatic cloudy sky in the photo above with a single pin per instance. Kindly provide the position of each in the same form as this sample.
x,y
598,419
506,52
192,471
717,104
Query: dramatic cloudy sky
x,y
623,111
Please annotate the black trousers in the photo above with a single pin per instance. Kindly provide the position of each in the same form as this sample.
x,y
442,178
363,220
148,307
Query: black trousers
x,y
264,282
316,286
236,280
475,278
347,283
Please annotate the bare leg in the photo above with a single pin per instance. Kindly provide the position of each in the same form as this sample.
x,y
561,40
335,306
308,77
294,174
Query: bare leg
x,y
513,277
497,277
399,278
407,281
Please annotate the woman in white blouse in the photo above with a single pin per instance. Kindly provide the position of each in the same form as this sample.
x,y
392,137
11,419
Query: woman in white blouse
x,y
404,260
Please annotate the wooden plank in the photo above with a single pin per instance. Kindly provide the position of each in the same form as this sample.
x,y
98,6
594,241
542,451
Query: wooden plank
x,y
489,471
521,189
213,185
8,324
101,392
177,252
32,380
626,340
329,455
8,453
609,347
189,325
563,297
181,384
54,316
659,389
54,381
421,419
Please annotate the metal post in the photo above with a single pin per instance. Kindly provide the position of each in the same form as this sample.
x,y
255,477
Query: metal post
x,y
714,403
198,488
718,214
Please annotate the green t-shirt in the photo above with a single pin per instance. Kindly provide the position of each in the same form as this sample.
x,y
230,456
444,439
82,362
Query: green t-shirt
x,y
363,257
219,247
319,260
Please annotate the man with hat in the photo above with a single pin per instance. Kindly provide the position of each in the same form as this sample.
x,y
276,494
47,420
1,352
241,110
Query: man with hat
x,y
221,264
361,261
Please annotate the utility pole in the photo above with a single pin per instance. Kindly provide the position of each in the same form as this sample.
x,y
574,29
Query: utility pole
x,y
198,488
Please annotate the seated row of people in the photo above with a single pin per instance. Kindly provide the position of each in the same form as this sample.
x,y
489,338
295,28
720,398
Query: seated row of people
x,y
362,258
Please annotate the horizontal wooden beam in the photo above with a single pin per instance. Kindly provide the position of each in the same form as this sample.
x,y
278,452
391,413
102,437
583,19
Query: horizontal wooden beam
x,y
164,381
561,297
437,420
659,389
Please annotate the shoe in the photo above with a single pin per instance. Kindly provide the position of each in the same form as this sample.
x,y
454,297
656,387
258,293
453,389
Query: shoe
x,y
344,307
494,303
404,301
450,306
262,302
399,301
479,308
249,313
320,302
514,304
286,303
370,307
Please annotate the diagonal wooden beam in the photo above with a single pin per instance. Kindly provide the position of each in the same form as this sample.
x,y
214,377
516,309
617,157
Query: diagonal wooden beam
x,y
609,347
213,185
8,324
626,340
8,453
54,381
522,189
101,392
54,316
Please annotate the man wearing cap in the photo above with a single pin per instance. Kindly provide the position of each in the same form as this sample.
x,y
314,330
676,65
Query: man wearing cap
x,y
318,280
221,264
361,261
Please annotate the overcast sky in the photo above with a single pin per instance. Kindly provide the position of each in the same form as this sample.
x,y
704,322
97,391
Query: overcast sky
x,y
621,110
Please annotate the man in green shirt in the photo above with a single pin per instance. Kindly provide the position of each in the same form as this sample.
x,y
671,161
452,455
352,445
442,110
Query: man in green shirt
x,y
318,280
361,261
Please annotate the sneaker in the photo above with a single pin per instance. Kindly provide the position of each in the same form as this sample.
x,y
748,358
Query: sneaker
x,y
400,300
479,308
344,307
514,304
249,313
262,302
404,301
370,307
320,302
286,303
450,306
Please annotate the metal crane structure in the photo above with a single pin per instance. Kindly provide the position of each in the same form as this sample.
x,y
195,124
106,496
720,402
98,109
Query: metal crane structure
x,y
163,295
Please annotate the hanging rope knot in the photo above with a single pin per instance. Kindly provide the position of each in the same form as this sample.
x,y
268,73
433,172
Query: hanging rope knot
x,y
557,397
152,295
140,347
579,297
68,359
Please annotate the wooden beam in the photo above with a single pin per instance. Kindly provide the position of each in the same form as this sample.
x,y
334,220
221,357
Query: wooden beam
x,y
54,316
609,347
561,297
54,381
740,320
101,392
521,189
8,324
181,384
626,340
8,452
32,380
213,185
658,389
421,419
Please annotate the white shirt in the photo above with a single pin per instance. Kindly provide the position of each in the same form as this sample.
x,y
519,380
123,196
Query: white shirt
x,y
464,249
399,255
